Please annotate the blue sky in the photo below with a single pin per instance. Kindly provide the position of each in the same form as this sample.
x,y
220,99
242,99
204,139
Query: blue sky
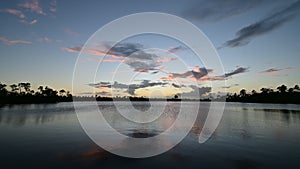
x,y
258,41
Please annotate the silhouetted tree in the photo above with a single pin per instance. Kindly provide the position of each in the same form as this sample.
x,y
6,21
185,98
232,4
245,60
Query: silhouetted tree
x,y
282,88
266,90
3,90
62,92
243,93
296,87
268,95
14,87
290,90
27,87
26,95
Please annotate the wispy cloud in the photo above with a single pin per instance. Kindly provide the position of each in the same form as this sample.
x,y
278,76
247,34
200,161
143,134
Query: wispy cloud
x,y
130,88
52,7
215,10
16,12
74,49
132,54
33,6
44,39
202,74
11,42
274,72
28,22
190,91
197,74
271,70
230,86
266,25
237,71
176,49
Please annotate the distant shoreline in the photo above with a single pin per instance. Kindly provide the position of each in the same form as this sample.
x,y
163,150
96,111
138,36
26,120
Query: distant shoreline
x,y
22,94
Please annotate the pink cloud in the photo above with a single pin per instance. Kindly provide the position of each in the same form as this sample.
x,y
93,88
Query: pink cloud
x,y
33,6
12,42
75,49
103,53
272,70
16,12
166,60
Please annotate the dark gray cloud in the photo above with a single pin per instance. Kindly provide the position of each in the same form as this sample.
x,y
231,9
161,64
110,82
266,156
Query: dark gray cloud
x,y
143,66
176,49
123,49
130,88
175,85
201,74
266,25
133,54
236,71
230,86
136,57
214,10
143,84
197,74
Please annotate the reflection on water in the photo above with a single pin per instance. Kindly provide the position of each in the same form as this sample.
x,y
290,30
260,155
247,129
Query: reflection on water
x,y
19,115
249,136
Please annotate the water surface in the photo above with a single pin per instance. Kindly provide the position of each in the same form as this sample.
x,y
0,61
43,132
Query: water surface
x,y
248,136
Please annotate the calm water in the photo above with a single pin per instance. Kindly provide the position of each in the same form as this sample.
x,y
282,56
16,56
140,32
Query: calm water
x,y
248,136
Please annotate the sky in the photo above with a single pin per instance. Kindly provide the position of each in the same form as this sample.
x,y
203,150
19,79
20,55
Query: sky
x,y
257,41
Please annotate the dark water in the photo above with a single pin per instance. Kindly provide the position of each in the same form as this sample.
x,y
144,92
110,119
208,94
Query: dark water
x,y
248,136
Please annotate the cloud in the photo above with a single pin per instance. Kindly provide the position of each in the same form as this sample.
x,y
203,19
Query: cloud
x,y
202,74
196,92
12,42
266,25
130,88
44,39
33,22
52,7
271,70
33,6
16,12
230,86
175,85
75,49
197,74
215,10
176,49
132,54
29,23
237,71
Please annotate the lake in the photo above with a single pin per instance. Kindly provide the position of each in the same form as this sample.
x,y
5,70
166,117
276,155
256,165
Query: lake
x,y
248,136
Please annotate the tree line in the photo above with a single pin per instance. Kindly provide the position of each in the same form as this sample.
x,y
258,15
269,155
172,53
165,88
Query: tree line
x,y
282,94
22,93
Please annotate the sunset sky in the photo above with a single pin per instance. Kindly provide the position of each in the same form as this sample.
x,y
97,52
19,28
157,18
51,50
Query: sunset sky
x,y
258,43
